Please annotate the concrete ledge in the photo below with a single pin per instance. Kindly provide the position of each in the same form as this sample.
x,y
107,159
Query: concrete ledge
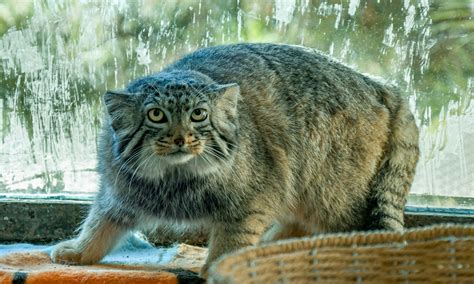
x,y
48,220
40,221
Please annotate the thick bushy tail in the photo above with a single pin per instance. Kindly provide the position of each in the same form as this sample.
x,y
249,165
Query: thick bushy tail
x,y
390,186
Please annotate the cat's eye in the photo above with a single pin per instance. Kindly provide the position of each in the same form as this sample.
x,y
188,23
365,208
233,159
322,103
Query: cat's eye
x,y
156,115
198,115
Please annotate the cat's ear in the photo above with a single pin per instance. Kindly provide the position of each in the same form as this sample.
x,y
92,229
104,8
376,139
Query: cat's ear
x,y
228,97
121,107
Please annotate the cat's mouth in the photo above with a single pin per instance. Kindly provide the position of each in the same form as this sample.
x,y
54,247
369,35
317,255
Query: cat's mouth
x,y
179,156
179,153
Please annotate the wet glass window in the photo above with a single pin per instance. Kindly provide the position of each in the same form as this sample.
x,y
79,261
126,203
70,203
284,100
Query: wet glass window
x,y
59,57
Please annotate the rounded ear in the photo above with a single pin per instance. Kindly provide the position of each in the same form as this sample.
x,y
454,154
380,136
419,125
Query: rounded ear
x,y
227,98
121,107
114,100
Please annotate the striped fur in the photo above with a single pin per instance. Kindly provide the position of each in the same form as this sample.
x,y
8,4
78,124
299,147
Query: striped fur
x,y
294,144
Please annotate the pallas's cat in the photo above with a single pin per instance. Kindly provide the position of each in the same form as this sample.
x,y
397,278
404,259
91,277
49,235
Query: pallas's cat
x,y
257,141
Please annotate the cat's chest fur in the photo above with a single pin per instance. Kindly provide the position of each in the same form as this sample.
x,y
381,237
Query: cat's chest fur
x,y
175,197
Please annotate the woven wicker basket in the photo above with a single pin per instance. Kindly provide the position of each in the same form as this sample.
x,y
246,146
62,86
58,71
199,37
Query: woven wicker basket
x,y
439,254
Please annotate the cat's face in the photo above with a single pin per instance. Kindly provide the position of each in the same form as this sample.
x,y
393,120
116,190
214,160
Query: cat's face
x,y
174,122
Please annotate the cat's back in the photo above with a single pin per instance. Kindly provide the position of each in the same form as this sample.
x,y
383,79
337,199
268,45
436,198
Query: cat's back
x,y
254,61
289,73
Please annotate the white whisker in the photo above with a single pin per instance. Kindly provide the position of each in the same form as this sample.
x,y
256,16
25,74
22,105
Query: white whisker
x,y
126,162
142,163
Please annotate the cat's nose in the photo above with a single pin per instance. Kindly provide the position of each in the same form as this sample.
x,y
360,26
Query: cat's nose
x,y
179,141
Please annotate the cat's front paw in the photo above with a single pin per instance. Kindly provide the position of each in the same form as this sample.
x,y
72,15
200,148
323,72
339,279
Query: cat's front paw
x,y
67,252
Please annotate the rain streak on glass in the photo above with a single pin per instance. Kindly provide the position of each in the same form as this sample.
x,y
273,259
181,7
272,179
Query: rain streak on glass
x,y
59,57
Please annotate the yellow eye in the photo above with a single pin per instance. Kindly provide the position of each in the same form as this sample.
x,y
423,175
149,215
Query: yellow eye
x,y
156,115
198,115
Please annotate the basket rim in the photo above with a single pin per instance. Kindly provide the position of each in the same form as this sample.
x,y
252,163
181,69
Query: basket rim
x,y
341,240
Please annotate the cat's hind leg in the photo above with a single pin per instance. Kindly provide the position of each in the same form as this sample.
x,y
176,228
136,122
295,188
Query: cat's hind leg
x,y
286,229
390,186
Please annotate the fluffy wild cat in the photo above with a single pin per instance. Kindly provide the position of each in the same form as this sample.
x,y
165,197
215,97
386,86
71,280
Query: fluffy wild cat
x,y
257,141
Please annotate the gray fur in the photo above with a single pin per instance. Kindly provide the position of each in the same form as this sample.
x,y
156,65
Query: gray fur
x,y
295,144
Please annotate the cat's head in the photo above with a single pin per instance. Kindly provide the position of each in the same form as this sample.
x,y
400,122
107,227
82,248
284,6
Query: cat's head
x,y
174,121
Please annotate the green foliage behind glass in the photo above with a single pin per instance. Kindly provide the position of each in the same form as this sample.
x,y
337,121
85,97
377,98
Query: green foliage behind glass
x,y
86,47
